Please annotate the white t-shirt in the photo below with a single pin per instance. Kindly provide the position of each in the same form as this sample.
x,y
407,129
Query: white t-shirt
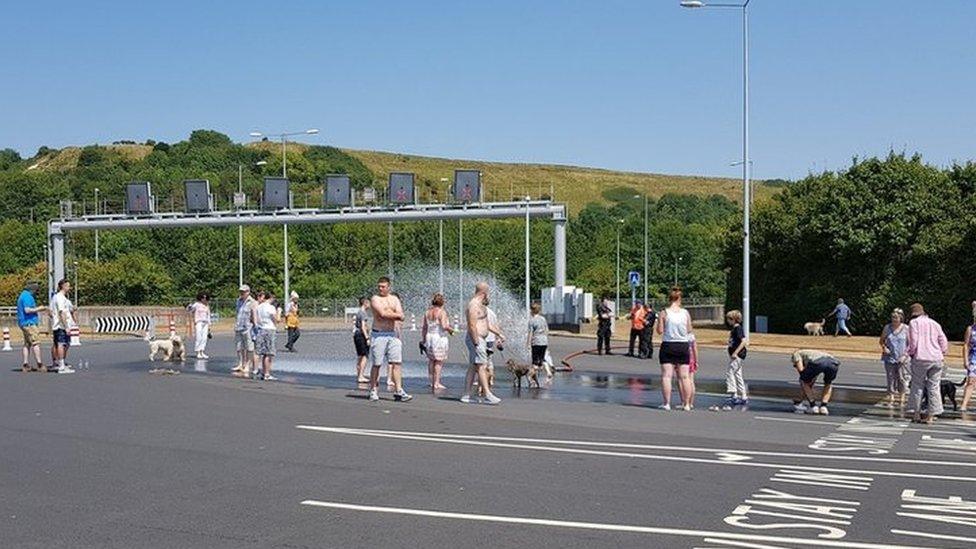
x,y
61,308
492,321
266,316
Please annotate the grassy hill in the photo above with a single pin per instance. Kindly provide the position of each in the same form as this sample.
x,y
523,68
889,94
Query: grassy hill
x,y
574,185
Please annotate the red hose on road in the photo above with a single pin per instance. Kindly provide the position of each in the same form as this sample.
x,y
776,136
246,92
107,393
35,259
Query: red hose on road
x,y
567,367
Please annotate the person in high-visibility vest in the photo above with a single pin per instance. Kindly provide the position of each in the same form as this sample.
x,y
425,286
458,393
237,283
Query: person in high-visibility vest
x,y
291,322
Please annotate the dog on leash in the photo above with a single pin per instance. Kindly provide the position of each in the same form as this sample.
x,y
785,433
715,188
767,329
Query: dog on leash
x,y
518,371
172,349
815,328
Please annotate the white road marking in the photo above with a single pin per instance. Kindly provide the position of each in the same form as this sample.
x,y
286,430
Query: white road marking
x,y
731,543
659,530
933,536
713,451
835,423
604,453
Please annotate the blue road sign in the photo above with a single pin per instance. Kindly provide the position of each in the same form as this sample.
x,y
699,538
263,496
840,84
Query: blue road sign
x,y
634,278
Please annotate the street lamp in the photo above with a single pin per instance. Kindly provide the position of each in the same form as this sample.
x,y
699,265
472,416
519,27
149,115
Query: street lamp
x,y
746,162
676,260
76,283
528,262
616,304
96,230
240,228
646,279
284,173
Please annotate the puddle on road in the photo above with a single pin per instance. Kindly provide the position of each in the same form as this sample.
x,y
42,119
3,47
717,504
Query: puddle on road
x,y
627,390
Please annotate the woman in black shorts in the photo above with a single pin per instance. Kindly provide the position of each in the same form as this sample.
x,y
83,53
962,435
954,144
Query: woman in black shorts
x,y
674,327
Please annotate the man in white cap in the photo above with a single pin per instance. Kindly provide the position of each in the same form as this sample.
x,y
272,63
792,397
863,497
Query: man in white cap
x,y
243,331
291,322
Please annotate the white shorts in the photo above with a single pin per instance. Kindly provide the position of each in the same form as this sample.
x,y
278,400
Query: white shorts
x,y
386,347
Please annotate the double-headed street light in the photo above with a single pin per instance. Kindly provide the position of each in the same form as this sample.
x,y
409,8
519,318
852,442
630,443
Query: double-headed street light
x,y
284,173
746,162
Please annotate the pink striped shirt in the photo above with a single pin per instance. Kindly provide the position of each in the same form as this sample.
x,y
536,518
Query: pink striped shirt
x,y
926,340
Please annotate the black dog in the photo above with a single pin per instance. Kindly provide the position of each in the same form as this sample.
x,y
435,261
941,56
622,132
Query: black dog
x,y
947,390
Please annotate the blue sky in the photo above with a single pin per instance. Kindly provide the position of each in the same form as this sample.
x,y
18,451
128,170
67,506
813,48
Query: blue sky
x,y
638,85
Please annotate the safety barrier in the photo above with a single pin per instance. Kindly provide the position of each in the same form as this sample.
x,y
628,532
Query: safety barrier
x,y
124,324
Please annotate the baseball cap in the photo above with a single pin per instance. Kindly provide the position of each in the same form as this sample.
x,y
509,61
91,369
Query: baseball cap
x,y
294,295
245,288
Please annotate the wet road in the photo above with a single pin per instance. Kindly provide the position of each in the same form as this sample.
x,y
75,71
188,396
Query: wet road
x,y
114,457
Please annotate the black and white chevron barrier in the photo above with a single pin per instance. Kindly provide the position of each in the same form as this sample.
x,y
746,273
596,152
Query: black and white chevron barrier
x,y
124,324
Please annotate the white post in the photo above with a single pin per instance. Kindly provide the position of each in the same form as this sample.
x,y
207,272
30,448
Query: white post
x,y
616,304
240,230
646,277
440,253
284,174
559,234
96,230
460,263
528,263
389,249
746,191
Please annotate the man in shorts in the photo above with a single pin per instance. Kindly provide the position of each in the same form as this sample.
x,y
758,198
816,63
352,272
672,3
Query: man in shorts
x,y
243,327
386,346
29,322
810,364
477,319
62,319
360,339
495,340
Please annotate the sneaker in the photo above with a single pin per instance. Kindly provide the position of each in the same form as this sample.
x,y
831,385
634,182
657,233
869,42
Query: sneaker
x,y
686,407
824,411
492,399
270,377
204,356
814,410
402,396
466,399
800,408
664,407
373,396
66,369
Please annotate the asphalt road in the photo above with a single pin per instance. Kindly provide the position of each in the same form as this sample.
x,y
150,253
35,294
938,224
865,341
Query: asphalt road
x,y
116,457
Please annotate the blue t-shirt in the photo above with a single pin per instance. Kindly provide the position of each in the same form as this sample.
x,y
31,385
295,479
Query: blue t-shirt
x,y
842,311
25,301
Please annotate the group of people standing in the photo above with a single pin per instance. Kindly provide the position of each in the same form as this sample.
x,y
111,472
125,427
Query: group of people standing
x,y
913,355
62,313
255,332
377,340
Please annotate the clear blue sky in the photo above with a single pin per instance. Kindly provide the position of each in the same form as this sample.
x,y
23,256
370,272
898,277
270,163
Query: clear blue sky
x,y
627,84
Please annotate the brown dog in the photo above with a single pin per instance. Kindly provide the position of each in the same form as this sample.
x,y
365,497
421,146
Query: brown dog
x,y
518,371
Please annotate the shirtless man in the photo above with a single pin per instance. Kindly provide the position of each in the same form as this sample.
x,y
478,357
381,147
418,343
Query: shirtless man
x,y
477,317
386,344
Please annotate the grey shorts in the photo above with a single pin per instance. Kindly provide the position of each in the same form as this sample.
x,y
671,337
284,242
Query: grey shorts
x,y
386,347
477,354
264,345
244,341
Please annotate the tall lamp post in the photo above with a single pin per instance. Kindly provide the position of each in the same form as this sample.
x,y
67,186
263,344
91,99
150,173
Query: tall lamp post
x,y
647,280
746,163
528,262
616,304
677,259
240,228
96,230
440,247
284,173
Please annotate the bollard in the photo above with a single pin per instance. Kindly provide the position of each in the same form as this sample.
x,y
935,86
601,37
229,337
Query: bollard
x,y
75,333
6,339
413,322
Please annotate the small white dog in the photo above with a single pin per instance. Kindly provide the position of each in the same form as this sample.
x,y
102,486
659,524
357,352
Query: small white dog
x,y
172,348
814,328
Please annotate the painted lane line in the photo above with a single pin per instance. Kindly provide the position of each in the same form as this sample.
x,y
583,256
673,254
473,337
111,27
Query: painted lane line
x,y
605,453
818,422
933,536
732,543
626,528
713,451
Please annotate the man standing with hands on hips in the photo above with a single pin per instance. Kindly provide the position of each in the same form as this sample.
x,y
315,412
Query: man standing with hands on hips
x,y
477,319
